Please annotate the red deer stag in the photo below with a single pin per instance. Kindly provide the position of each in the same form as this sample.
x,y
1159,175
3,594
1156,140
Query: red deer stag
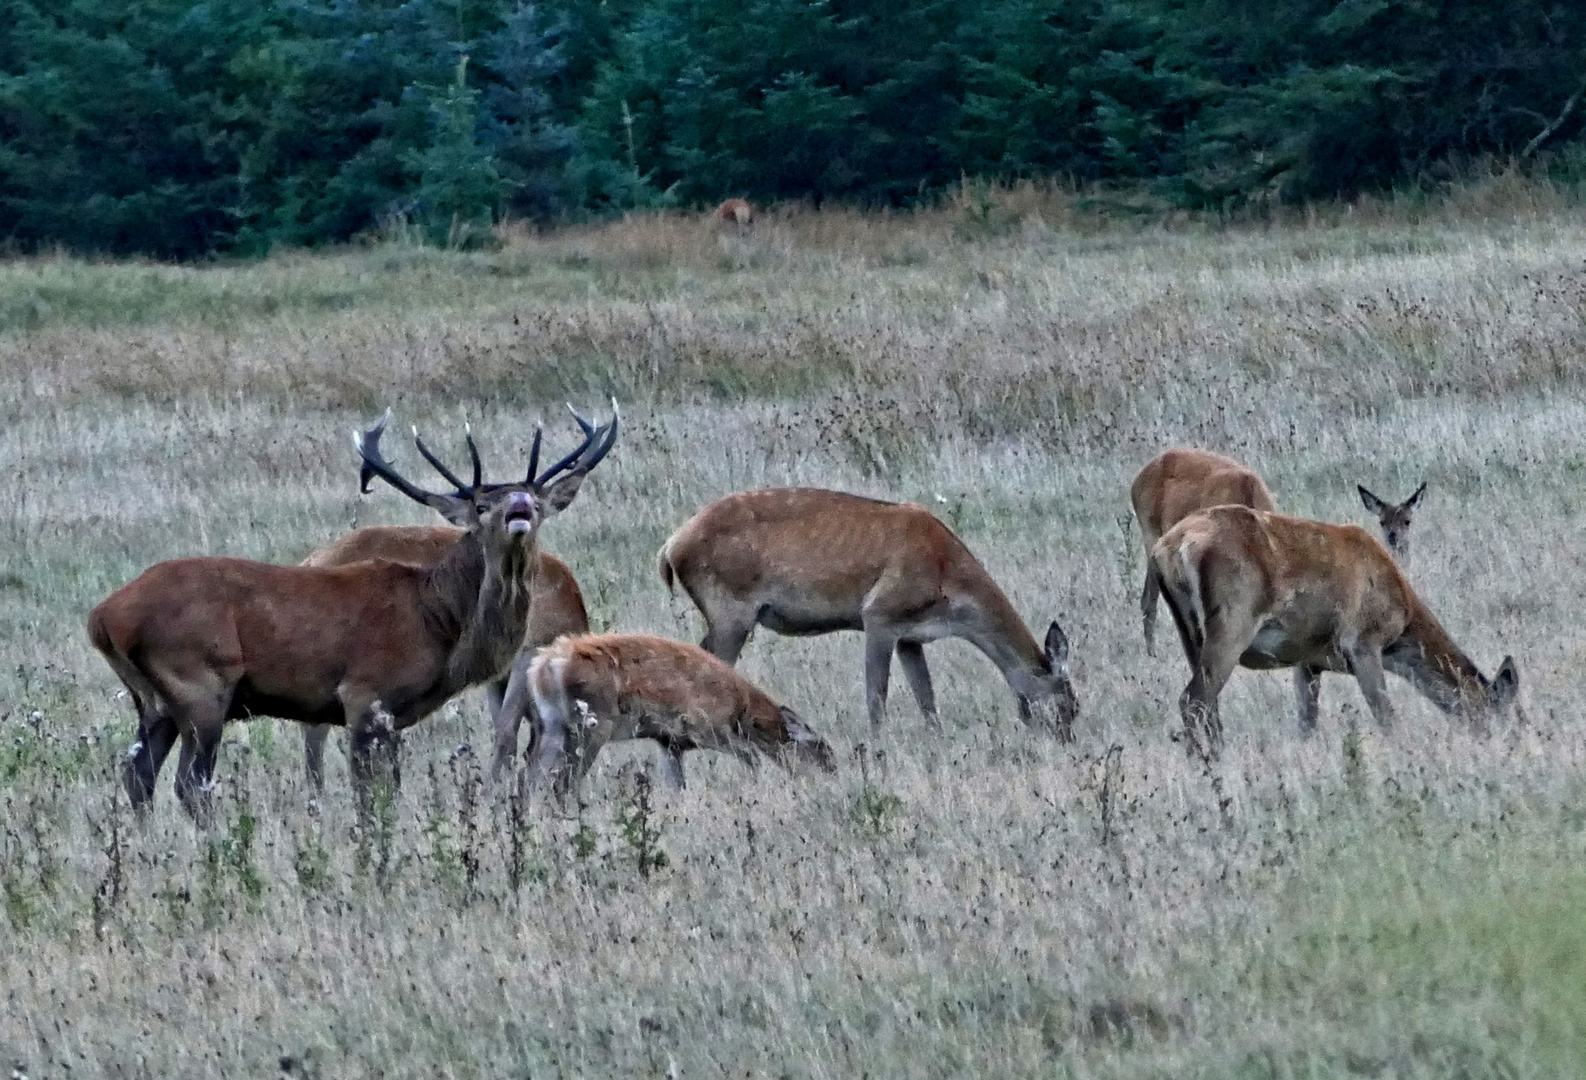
x,y
736,212
1175,484
556,607
371,645
1259,590
589,691
1395,520
806,561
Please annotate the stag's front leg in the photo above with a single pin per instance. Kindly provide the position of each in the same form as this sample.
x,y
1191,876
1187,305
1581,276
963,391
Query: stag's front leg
x,y
372,753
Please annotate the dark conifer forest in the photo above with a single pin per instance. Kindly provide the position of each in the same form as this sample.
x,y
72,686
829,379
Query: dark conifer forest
x,y
188,128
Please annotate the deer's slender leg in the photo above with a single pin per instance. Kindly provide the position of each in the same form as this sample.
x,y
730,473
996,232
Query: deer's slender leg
x,y
1227,637
1148,602
510,701
1366,662
195,772
1307,695
879,646
911,654
672,767
314,736
156,735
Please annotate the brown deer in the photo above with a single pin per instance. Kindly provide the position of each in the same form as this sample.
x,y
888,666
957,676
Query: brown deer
x,y
1394,519
556,607
1177,483
592,690
736,212
1260,590
806,561
201,641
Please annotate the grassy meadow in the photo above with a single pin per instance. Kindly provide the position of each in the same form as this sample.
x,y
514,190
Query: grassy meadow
x,y
974,901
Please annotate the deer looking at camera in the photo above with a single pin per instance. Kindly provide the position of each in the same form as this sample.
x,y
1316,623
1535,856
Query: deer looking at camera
x,y
805,561
589,691
371,645
556,607
1394,519
1260,590
1175,484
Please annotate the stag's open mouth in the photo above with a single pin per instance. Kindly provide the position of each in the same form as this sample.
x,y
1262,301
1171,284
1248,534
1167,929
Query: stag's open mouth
x,y
519,519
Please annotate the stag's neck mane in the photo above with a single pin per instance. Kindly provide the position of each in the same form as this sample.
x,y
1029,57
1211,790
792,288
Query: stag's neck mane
x,y
479,603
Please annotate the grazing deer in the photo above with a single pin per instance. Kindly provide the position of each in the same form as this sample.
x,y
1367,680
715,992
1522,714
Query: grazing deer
x,y
736,212
1177,483
592,690
805,561
201,641
556,607
1395,520
1259,590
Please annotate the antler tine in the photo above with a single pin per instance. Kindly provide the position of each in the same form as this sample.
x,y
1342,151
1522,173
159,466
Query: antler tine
x,y
473,452
534,455
590,433
605,446
374,464
440,466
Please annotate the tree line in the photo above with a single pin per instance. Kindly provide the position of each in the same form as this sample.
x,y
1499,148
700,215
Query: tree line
x,y
184,128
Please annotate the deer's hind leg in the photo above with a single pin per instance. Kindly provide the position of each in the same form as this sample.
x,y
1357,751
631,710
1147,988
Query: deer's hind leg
x,y
314,736
911,654
1228,634
729,625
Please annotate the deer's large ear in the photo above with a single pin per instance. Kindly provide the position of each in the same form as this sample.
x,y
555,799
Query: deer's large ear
x,y
1506,684
1415,500
1056,647
560,495
1371,502
457,511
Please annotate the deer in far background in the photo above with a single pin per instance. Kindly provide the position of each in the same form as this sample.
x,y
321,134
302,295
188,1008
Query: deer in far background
x,y
736,212
1395,520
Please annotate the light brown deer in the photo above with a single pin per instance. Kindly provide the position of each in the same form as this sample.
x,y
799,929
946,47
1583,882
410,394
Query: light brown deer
x,y
593,690
1260,590
736,212
556,607
1177,483
201,641
1394,519
806,561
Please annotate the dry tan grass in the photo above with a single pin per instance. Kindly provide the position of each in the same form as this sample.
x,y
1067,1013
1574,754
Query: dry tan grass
x,y
978,902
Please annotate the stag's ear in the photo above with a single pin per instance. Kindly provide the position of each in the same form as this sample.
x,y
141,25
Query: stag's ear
x,y
560,495
457,511
1371,502
1056,647
1506,684
1415,500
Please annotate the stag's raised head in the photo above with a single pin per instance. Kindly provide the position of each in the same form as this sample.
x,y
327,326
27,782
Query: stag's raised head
x,y
1394,519
505,514
1049,691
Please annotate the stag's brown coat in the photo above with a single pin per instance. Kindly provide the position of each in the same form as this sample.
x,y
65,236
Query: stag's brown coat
x,y
592,690
202,641
808,561
556,607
